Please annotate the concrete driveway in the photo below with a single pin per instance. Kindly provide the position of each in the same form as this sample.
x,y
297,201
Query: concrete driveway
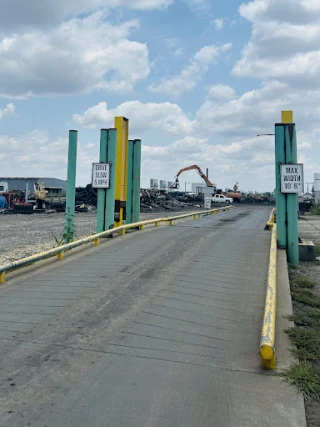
x,y
156,329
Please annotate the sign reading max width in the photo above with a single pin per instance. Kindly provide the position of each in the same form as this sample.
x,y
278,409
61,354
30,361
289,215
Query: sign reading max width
x,y
291,178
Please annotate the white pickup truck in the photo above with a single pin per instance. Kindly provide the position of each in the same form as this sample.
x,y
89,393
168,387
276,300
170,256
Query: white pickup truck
x,y
220,198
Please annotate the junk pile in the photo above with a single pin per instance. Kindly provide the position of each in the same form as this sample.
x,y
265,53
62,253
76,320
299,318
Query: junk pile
x,y
86,196
155,200
85,200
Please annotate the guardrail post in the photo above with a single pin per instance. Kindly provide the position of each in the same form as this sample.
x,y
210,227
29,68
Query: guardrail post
x,y
136,177
69,228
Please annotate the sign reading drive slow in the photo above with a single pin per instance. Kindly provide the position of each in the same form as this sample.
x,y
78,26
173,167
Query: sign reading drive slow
x,y
100,175
291,177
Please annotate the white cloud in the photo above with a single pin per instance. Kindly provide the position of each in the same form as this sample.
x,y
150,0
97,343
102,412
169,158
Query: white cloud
x,y
30,152
279,10
190,76
7,111
220,93
284,44
166,116
201,8
219,24
78,56
242,161
17,14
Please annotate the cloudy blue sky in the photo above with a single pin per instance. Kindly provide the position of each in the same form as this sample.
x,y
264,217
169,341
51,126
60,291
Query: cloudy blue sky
x,y
198,80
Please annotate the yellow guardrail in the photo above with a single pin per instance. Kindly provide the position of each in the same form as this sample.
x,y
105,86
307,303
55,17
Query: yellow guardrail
x,y
269,225
95,238
267,343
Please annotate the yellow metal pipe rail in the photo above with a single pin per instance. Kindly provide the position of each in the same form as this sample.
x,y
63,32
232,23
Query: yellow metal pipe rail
x,y
267,343
269,225
95,238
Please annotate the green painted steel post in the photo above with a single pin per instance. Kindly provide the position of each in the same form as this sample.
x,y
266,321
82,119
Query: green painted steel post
x,y
136,180
281,212
110,193
101,191
292,199
69,227
129,208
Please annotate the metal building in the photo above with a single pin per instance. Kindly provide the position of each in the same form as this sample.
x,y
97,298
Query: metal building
x,y
19,183
154,184
163,185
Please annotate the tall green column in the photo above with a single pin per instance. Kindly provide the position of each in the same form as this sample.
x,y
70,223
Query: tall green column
x,y
69,227
101,203
136,180
130,183
281,206
110,193
105,206
292,198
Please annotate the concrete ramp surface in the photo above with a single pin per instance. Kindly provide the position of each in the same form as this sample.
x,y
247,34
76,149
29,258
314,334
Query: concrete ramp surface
x,y
156,329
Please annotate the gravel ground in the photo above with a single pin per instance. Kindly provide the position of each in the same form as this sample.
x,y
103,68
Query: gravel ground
x,y
24,235
309,228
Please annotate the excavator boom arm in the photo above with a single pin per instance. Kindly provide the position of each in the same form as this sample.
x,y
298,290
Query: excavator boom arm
x,y
200,172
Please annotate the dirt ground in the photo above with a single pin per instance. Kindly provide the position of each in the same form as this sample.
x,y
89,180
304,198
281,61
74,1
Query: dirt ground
x,y
24,235
309,228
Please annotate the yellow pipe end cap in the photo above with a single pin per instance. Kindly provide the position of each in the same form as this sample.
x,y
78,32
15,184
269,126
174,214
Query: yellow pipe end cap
x,y
266,352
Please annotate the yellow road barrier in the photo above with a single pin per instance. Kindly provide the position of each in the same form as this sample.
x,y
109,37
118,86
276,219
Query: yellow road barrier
x,y
269,225
59,251
267,343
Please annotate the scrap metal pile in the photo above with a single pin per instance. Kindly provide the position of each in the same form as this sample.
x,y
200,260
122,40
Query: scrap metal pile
x,y
86,200
154,200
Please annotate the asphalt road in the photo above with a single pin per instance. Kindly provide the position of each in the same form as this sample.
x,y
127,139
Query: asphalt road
x,y
156,329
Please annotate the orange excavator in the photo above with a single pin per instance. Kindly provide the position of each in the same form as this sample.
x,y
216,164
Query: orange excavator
x,y
176,184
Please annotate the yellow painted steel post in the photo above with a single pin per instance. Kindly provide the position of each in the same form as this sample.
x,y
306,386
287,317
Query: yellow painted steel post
x,y
267,343
60,256
2,278
122,126
287,116
96,242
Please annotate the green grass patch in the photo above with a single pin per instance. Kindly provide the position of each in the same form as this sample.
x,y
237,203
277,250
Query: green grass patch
x,y
306,297
312,321
315,210
304,376
302,282
307,341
